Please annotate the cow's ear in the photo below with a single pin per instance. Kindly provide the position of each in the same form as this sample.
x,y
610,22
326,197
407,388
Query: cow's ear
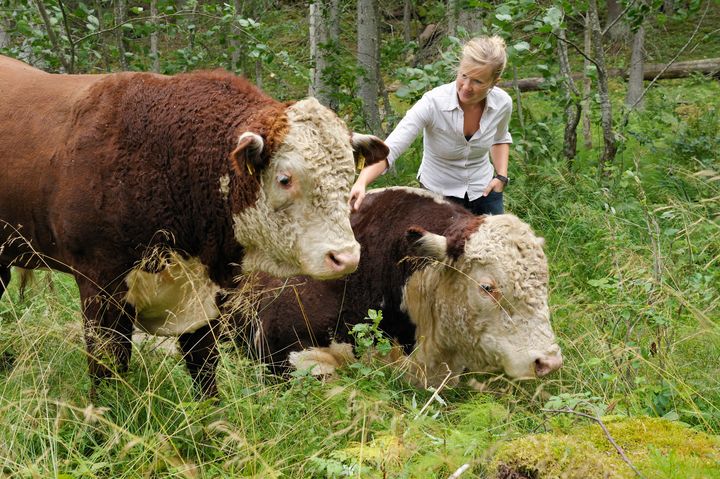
x,y
425,244
247,156
368,149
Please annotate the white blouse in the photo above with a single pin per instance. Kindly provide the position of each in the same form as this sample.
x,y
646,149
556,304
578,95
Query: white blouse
x,y
452,165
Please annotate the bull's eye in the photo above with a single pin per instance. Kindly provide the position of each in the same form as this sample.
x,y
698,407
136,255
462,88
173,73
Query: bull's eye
x,y
488,288
284,180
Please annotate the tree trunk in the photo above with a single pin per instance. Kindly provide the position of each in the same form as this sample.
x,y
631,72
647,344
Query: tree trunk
x,y
452,16
572,110
407,17
587,86
618,28
119,36
235,42
471,19
324,32
368,60
53,38
668,7
610,146
4,37
635,80
154,52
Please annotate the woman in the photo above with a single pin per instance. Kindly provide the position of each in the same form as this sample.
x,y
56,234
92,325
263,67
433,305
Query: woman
x,y
465,126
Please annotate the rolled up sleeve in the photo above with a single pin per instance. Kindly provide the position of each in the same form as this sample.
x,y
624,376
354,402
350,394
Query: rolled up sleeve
x,y
502,134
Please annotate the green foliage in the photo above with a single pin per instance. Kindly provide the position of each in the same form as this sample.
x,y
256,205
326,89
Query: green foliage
x,y
368,335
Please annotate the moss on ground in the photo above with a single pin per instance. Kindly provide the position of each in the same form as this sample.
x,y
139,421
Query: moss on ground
x,y
658,448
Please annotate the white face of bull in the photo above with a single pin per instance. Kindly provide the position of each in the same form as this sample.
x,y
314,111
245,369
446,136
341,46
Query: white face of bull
x,y
300,223
487,310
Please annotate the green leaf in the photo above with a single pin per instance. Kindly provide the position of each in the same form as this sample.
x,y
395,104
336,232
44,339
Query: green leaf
x,y
553,17
503,17
521,46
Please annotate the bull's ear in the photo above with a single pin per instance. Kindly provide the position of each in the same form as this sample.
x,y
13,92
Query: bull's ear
x,y
425,244
368,149
248,153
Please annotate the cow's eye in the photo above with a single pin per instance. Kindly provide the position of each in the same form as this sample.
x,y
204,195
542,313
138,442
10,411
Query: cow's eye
x,y
284,180
488,288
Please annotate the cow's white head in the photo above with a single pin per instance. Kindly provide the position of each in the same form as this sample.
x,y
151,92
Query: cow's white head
x,y
300,223
481,304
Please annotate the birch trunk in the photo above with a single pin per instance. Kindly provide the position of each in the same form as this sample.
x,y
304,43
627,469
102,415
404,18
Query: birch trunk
x,y
587,86
4,38
637,63
368,60
119,36
154,52
452,16
324,31
619,29
407,16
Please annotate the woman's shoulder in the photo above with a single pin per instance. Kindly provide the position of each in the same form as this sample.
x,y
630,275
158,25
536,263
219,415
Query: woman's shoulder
x,y
500,97
448,89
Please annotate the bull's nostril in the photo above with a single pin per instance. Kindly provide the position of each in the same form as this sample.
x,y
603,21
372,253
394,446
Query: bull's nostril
x,y
342,262
546,365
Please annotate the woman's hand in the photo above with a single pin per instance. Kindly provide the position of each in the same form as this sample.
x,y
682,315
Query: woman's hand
x,y
494,185
357,194
366,176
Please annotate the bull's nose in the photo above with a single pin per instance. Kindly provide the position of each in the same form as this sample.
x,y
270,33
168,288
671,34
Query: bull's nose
x,y
544,365
342,262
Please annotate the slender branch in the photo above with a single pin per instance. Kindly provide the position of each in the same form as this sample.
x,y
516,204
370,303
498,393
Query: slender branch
x,y
605,430
577,49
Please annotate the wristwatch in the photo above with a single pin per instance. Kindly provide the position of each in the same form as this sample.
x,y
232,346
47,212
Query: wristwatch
x,y
505,180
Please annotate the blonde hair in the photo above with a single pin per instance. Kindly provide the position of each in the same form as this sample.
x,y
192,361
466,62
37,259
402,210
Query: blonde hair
x,y
486,51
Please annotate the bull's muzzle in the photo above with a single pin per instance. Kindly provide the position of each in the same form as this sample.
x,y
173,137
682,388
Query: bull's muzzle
x,y
546,364
341,263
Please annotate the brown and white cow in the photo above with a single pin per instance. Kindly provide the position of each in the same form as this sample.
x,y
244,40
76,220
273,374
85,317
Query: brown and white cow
x,y
151,190
464,292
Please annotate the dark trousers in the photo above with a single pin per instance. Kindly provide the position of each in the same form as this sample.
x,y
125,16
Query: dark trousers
x,y
491,204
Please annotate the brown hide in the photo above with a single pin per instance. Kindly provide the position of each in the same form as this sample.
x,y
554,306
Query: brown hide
x,y
291,315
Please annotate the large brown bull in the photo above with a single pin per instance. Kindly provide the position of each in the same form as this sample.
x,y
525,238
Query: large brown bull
x,y
150,189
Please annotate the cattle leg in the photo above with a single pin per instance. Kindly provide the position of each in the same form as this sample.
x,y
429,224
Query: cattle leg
x,y
4,279
200,351
108,332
